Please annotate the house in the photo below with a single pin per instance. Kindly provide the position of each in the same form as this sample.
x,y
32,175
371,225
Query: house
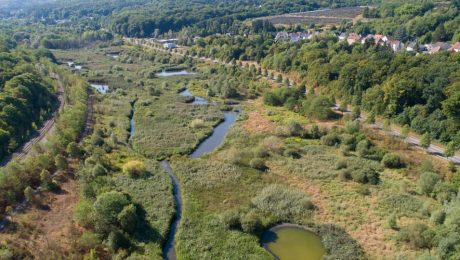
x,y
353,37
342,37
380,39
368,38
295,37
169,45
395,45
455,47
437,47
281,36
411,47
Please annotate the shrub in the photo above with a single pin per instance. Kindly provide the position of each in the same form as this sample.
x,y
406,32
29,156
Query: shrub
x,y
291,153
128,218
331,139
295,129
60,162
197,123
74,150
427,182
250,223
438,217
89,240
272,144
83,213
283,203
106,209
365,174
392,222
363,148
97,140
117,240
260,152
230,219
98,170
391,160
418,235
341,164
443,191
134,168
345,175
352,127
258,164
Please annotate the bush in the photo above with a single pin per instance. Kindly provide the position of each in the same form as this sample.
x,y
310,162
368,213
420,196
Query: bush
x,y
365,174
292,153
282,202
341,164
295,129
392,222
363,148
427,182
345,175
83,213
98,170
443,191
134,168
117,240
438,217
418,235
60,162
331,139
74,150
391,160
258,164
107,208
230,219
128,218
197,123
272,144
250,223
260,152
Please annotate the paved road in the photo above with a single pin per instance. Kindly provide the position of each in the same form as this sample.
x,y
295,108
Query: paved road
x,y
434,150
25,149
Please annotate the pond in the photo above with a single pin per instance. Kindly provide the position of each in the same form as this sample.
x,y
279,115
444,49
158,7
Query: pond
x,y
165,73
101,88
197,100
212,142
293,242
113,55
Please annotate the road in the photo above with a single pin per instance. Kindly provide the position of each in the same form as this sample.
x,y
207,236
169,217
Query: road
x,y
25,149
433,149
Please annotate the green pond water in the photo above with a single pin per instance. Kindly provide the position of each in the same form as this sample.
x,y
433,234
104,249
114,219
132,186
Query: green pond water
x,y
292,243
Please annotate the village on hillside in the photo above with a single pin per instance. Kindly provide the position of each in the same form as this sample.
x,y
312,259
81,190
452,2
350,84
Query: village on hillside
x,y
383,40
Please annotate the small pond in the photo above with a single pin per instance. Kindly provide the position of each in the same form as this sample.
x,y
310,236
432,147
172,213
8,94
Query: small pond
x,y
197,100
292,242
101,88
165,73
113,55
213,141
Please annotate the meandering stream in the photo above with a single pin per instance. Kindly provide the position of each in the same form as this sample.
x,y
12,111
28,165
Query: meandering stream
x,y
208,145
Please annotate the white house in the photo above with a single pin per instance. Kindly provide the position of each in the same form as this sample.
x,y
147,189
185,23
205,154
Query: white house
x,y
455,47
169,45
411,47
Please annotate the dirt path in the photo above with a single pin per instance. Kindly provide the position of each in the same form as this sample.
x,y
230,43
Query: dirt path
x,y
47,231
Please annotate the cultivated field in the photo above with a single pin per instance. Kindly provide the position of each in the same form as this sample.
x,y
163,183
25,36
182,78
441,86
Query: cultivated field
x,y
324,16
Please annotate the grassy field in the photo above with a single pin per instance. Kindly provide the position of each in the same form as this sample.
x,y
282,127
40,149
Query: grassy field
x,y
263,174
324,16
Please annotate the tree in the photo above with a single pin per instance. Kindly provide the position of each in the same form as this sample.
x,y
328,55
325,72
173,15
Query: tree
x,y
128,218
362,148
29,194
405,132
449,151
425,142
391,160
107,208
74,150
60,162
279,78
356,113
134,168
371,118
428,181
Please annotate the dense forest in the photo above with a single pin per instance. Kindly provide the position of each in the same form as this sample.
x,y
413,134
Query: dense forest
x,y
27,96
423,21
